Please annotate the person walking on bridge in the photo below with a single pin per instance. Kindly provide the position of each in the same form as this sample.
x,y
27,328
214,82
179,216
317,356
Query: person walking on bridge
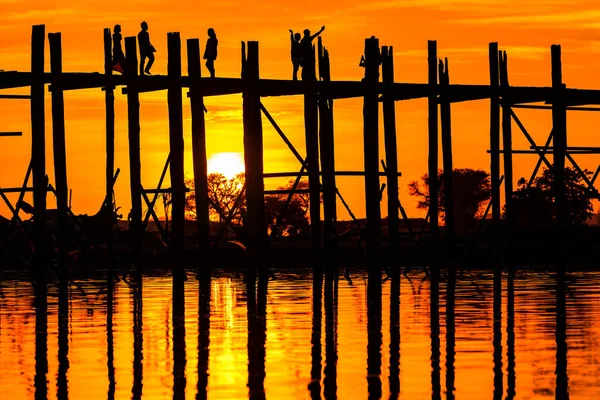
x,y
296,53
118,56
308,55
210,53
146,50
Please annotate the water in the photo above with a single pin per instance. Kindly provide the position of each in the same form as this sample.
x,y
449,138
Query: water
x,y
212,344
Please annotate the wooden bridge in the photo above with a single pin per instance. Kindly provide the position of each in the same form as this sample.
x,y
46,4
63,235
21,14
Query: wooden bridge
x,y
319,162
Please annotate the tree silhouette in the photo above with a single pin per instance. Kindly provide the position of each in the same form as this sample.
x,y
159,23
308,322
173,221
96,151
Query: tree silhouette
x,y
224,194
535,207
472,190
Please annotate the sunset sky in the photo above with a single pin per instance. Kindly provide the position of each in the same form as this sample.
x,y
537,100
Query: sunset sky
x,y
463,29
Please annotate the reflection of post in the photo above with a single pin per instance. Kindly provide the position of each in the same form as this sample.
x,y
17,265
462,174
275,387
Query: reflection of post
x,y
510,333
63,337
450,330
110,350
395,334
434,315
374,334
179,362
41,334
257,315
562,379
331,315
317,304
138,339
497,341
203,334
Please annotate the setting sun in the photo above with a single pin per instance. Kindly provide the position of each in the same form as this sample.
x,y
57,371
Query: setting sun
x,y
228,164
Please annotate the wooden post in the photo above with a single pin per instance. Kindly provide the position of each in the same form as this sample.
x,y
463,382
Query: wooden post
x,y
311,128
176,144
371,150
256,229
58,141
327,153
135,166
559,126
495,134
445,116
199,145
38,139
507,143
433,140
109,100
391,151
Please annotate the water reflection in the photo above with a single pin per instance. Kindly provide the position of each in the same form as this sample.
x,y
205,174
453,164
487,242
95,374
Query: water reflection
x,y
204,297
331,338
110,338
257,327
374,333
179,358
562,379
497,343
41,334
510,333
394,378
450,331
138,336
434,315
321,333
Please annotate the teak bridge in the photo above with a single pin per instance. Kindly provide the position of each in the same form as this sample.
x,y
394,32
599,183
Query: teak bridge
x,y
318,165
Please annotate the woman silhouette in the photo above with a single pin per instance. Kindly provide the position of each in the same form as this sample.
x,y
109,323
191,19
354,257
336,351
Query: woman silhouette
x,y
210,53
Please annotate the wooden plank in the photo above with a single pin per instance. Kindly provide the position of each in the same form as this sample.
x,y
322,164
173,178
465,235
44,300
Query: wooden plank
x,y
327,154
495,133
311,130
371,153
38,138
109,104
446,125
7,134
559,127
59,143
255,223
174,101
433,139
135,166
199,145
15,96
391,153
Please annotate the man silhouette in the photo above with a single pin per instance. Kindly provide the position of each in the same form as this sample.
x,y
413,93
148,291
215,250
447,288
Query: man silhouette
x,y
308,55
146,49
210,53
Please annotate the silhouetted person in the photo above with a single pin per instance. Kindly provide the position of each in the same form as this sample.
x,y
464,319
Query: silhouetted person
x,y
118,56
146,49
296,53
308,54
210,53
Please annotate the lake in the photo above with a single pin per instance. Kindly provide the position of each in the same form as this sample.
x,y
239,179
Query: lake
x,y
223,338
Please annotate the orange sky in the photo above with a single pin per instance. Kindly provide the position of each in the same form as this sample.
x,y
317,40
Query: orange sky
x,y
463,29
